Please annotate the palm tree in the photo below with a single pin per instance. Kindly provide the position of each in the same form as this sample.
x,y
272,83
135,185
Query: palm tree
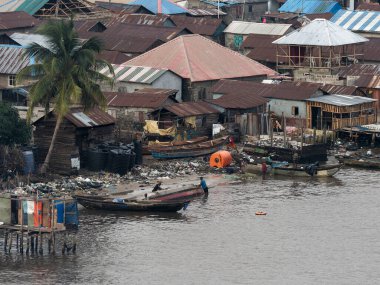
x,y
66,72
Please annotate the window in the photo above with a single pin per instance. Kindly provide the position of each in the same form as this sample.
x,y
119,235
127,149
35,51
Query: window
x,y
295,111
12,80
250,8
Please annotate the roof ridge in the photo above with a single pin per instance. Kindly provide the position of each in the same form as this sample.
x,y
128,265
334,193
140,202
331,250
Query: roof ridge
x,y
187,58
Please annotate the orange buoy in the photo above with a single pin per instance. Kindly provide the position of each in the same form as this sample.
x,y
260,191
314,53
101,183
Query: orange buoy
x,y
260,213
220,159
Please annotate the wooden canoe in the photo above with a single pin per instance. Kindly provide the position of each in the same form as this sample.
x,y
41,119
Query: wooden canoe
x,y
100,203
320,171
193,150
368,163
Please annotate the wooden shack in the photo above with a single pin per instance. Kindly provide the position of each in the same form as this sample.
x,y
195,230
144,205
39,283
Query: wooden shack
x,y
194,118
77,133
334,112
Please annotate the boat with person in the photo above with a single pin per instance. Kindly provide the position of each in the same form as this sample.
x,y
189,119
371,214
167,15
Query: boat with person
x,y
118,204
191,150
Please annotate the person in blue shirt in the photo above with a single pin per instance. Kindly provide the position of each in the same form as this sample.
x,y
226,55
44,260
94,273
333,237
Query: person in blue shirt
x,y
204,185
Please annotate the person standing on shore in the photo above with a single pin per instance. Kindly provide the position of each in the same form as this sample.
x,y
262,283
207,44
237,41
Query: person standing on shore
x,y
204,185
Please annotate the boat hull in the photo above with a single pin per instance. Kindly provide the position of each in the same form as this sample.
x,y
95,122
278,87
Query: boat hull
x,y
368,164
322,171
131,206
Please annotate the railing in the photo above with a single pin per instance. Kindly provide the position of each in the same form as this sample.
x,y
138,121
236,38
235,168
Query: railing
x,y
338,123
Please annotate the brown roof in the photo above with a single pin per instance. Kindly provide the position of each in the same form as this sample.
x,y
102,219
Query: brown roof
x,y
326,16
188,109
338,89
200,59
92,118
113,56
261,47
287,90
283,16
359,69
368,81
369,7
198,25
130,44
145,98
17,19
142,19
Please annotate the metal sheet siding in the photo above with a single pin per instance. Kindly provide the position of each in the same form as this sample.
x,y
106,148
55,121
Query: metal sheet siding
x,y
31,6
11,59
245,28
10,5
188,109
360,21
138,74
310,6
342,100
93,118
167,6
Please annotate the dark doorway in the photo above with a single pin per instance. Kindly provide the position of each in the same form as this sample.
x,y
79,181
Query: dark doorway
x,y
316,117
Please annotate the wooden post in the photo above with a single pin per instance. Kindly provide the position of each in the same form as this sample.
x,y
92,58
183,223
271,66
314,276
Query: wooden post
x,y
5,239
324,136
284,128
314,135
22,228
271,131
301,138
10,241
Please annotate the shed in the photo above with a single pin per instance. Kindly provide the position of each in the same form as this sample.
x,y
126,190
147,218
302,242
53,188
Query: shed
x,y
195,118
319,47
132,78
238,31
338,111
77,133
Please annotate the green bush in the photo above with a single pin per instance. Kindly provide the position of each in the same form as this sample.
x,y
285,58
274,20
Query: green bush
x,y
13,130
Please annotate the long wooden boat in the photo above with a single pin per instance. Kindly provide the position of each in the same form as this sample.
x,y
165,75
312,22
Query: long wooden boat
x,y
299,171
304,171
100,203
369,163
183,151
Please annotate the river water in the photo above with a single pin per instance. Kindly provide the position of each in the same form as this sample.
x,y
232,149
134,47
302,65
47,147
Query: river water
x,y
316,231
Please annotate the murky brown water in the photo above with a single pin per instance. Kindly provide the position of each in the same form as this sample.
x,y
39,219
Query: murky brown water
x,y
317,231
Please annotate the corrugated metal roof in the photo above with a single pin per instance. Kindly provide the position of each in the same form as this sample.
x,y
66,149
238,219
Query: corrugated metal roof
x,y
27,39
359,69
188,109
113,57
338,89
246,28
11,59
142,19
146,98
10,5
92,118
261,47
137,74
31,6
205,12
342,100
360,21
310,6
198,25
17,19
371,50
368,81
168,7
200,59
320,32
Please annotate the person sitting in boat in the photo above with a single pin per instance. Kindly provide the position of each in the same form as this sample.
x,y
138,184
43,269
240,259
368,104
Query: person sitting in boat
x,y
204,185
157,186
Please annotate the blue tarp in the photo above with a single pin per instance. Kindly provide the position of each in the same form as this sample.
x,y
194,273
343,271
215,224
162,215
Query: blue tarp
x,y
168,7
71,214
310,6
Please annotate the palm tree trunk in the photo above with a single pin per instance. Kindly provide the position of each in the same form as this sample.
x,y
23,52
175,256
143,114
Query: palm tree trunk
x,y
51,147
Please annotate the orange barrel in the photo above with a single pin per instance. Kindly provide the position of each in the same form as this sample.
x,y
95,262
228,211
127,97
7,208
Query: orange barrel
x,y
38,214
220,159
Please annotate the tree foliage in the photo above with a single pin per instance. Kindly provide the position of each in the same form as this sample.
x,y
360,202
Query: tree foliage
x,y
13,130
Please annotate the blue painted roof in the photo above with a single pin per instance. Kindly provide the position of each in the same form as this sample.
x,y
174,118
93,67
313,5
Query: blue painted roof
x,y
222,3
168,7
310,6
361,21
